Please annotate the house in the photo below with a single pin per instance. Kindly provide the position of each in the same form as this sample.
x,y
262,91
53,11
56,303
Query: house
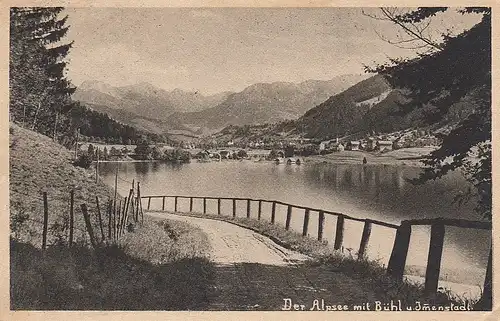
x,y
354,145
384,145
371,143
323,145
337,147
224,154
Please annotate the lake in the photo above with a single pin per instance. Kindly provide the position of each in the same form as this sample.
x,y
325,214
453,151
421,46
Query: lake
x,y
378,192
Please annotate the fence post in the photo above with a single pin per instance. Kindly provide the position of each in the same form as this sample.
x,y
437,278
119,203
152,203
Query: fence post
x,y
124,214
321,225
138,198
234,208
190,204
218,206
117,222
87,223
339,232
248,208
434,258
163,204
367,230
45,220
306,223
71,216
113,233
99,217
399,253
273,212
288,217
127,201
204,205
140,202
260,210
487,297
116,189
175,204
149,202
110,210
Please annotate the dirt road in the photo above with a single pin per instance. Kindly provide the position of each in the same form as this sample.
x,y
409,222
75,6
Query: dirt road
x,y
233,244
254,273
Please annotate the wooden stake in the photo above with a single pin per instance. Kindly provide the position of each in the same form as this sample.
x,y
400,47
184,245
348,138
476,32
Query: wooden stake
x,y
339,233
71,216
110,210
367,229
434,258
99,217
306,223
88,225
397,261
288,217
45,220
321,225
116,190
273,212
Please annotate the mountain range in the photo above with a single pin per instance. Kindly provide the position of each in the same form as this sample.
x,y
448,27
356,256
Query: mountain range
x,y
150,108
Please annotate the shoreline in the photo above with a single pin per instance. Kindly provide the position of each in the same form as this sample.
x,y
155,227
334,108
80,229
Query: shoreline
x,y
410,157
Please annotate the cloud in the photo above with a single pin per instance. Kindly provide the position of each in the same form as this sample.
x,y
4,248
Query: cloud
x,y
118,64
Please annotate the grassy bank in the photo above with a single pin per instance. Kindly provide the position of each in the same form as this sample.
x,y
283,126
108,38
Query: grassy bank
x,y
161,265
37,165
369,273
403,157
153,268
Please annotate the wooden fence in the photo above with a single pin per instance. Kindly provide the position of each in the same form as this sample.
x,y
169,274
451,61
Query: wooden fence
x,y
397,261
120,213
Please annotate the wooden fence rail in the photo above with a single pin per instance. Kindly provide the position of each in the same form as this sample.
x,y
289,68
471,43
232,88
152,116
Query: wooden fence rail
x,y
397,260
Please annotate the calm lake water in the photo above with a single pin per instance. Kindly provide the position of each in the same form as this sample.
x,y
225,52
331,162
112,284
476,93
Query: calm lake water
x,y
373,191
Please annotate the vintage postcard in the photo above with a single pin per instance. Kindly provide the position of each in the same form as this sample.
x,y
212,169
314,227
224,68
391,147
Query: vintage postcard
x,y
315,161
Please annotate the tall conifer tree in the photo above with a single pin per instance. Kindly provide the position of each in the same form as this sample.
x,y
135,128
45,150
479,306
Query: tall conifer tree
x,y
40,94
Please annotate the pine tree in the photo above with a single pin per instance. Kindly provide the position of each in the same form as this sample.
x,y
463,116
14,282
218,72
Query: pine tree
x,y
40,94
454,71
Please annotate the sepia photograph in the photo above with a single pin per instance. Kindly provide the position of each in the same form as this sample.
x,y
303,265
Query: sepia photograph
x,y
250,159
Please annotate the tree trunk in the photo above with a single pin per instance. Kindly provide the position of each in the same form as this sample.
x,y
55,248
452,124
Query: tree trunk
x,y
55,127
36,114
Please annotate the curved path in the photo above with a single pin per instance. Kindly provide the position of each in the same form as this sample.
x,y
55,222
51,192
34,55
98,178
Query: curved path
x,y
254,273
233,244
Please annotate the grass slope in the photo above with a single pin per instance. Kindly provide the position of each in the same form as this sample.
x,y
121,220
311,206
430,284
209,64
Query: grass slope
x,y
38,164
162,265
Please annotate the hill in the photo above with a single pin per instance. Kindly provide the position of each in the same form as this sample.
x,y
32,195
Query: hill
x,y
268,102
143,99
366,107
152,109
29,177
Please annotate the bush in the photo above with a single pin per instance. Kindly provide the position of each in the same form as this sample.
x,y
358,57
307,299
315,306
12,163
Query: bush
x,y
83,161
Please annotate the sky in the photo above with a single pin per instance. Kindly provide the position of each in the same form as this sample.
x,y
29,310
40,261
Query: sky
x,y
212,50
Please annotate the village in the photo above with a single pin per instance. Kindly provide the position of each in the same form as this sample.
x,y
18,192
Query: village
x,y
258,149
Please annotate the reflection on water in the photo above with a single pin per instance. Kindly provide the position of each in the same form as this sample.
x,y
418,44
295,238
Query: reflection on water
x,y
379,192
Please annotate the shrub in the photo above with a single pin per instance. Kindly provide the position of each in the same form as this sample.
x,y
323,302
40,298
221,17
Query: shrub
x,y
83,161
